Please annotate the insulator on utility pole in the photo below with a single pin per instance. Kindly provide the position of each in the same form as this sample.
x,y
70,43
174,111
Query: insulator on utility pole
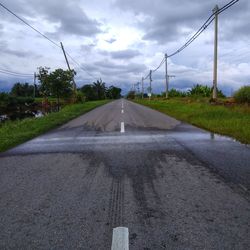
x,y
166,68
215,10
142,87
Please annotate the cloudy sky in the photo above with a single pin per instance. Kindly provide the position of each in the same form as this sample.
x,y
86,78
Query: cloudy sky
x,y
121,40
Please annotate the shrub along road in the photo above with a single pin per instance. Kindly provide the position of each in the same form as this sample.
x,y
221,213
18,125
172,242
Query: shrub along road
x,y
123,164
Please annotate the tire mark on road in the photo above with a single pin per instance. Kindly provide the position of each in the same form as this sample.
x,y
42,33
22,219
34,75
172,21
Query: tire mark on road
x,y
116,204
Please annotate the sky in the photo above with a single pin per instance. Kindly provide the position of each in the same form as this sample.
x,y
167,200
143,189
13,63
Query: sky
x,y
119,41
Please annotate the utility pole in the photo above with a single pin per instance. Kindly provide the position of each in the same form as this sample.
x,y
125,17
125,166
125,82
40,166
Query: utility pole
x,y
150,84
74,84
138,87
34,92
166,68
142,87
215,10
170,76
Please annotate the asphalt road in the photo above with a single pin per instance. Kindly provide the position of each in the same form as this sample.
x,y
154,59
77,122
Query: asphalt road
x,y
172,185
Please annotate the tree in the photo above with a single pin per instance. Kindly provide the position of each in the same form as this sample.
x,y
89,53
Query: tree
x,y
22,90
89,92
114,92
43,78
59,83
100,89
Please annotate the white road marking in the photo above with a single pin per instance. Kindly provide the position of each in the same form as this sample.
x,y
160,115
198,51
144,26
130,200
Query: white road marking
x,y
122,111
120,239
122,127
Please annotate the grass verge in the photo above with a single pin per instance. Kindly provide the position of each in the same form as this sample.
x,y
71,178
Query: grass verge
x,y
233,121
13,133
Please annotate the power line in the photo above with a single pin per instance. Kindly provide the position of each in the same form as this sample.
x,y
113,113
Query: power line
x,y
197,34
161,63
225,7
15,74
146,77
79,65
25,22
203,27
46,37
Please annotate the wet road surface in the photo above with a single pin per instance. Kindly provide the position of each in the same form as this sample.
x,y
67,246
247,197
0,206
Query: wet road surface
x,y
172,185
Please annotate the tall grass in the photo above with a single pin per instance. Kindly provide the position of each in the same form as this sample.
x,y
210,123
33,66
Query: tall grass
x,y
243,95
232,121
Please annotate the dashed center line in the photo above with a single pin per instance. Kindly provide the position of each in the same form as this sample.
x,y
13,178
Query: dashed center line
x,y
120,239
122,127
122,111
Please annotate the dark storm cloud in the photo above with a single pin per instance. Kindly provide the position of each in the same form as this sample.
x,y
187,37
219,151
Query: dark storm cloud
x,y
121,54
111,40
125,54
68,15
164,20
108,68
88,47
8,51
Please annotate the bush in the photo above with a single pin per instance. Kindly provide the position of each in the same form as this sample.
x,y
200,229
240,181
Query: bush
x,y
131,95
204,91
243,95
80,97
175,93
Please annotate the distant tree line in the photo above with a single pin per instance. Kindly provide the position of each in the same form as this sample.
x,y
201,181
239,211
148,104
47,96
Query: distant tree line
x,y
197,90
98,91
59,84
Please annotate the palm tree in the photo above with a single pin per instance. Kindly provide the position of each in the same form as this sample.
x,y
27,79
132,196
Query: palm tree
x,y
100,89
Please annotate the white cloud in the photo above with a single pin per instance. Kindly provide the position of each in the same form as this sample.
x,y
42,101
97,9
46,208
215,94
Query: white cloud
x,y
121,40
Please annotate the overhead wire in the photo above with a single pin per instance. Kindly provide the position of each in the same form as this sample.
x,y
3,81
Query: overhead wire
x,y
16,73
44,36
197,34
25,22
203,27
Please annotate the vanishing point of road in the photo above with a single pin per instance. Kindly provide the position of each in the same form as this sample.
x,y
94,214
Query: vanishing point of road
x,y
173,186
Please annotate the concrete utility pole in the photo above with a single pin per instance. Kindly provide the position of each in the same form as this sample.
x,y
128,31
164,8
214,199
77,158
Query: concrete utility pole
x,y
142,87
138,87
170,76
166,67
215,10
150,84
74,84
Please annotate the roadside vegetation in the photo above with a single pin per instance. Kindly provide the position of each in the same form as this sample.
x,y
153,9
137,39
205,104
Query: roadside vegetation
x,y
54,90
226,116
243,95
13,133
29,110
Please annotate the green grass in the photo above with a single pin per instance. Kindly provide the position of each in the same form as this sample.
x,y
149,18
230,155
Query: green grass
x,y
13,133
232,121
